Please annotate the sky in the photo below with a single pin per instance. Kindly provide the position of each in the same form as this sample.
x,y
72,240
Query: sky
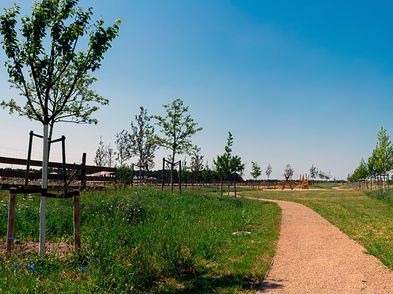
x,y
298,82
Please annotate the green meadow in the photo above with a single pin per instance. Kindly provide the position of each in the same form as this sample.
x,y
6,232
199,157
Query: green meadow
x,y
143,240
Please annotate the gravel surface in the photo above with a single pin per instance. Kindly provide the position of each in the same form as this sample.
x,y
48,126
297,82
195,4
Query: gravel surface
x,y
313,256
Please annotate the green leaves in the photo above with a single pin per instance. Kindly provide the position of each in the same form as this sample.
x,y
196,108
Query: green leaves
x,y
255,170
379,163
381,160
138,143
177,127
313,172
45,66
227,164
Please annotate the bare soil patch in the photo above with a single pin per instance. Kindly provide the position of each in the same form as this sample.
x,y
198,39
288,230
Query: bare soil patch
x,y
60,249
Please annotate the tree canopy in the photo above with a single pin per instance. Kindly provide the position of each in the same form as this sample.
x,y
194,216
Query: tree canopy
x,y
268,171
139,142
256,170
177,128
228,164
45,65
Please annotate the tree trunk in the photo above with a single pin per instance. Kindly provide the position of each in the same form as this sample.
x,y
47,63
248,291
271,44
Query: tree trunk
x,y
44,185
221,184
50,136
234,186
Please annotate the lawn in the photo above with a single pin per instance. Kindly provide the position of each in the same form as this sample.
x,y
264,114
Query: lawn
x,y
363,217
144,241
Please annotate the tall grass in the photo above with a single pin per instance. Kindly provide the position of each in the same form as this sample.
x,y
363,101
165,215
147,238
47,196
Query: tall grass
x,y
384,195
145,241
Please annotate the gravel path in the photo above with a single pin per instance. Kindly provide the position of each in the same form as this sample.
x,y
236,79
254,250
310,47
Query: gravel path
x,y
313,256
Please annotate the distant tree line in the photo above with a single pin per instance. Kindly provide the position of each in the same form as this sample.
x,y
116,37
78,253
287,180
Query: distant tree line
x,y
374,172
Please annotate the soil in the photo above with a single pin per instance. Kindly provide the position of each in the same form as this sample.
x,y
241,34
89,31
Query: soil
x,y
60,249
313,256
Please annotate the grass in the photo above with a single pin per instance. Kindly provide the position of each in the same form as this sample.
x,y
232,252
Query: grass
x,y
386,196
144,241
325,185
368,220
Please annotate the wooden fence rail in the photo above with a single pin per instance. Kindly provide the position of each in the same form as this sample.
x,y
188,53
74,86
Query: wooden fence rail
x,y
79,172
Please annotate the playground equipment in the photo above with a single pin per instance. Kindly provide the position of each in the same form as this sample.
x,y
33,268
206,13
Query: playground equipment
x,y
303,182
43,192
163,173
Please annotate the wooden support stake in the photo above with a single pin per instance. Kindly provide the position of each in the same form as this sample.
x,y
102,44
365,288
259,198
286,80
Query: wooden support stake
x,y
64,164
11,221
77,222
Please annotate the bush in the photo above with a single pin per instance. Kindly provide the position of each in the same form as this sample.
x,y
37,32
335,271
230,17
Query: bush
x,y
124,174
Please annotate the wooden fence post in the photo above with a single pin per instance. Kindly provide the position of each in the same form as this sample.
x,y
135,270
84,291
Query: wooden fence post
x,y
180,173
163,174
11,220
63,151
77,222
28,160
83,172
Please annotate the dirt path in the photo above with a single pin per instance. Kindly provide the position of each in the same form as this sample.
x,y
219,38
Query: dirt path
x,y
313,256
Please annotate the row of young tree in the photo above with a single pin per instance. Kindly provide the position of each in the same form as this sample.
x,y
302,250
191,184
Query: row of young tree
x,y
374,172
256,171
176,128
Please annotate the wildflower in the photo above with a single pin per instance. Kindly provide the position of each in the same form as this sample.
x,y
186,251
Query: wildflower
x,y
30,267
11,238
83,269
15,265
199,222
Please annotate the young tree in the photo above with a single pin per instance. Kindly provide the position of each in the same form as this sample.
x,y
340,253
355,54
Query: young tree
x,y
139,143
177,128
268,171
288,172
313,172
44,65
196,162
256,170
110,155
121,142
101,158
228,164
361,172
383,156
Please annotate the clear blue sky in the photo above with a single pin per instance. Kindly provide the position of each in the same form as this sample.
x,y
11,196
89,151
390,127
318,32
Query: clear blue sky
x,y
299,82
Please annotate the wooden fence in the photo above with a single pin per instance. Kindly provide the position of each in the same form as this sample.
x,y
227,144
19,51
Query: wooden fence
x,y
79,172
